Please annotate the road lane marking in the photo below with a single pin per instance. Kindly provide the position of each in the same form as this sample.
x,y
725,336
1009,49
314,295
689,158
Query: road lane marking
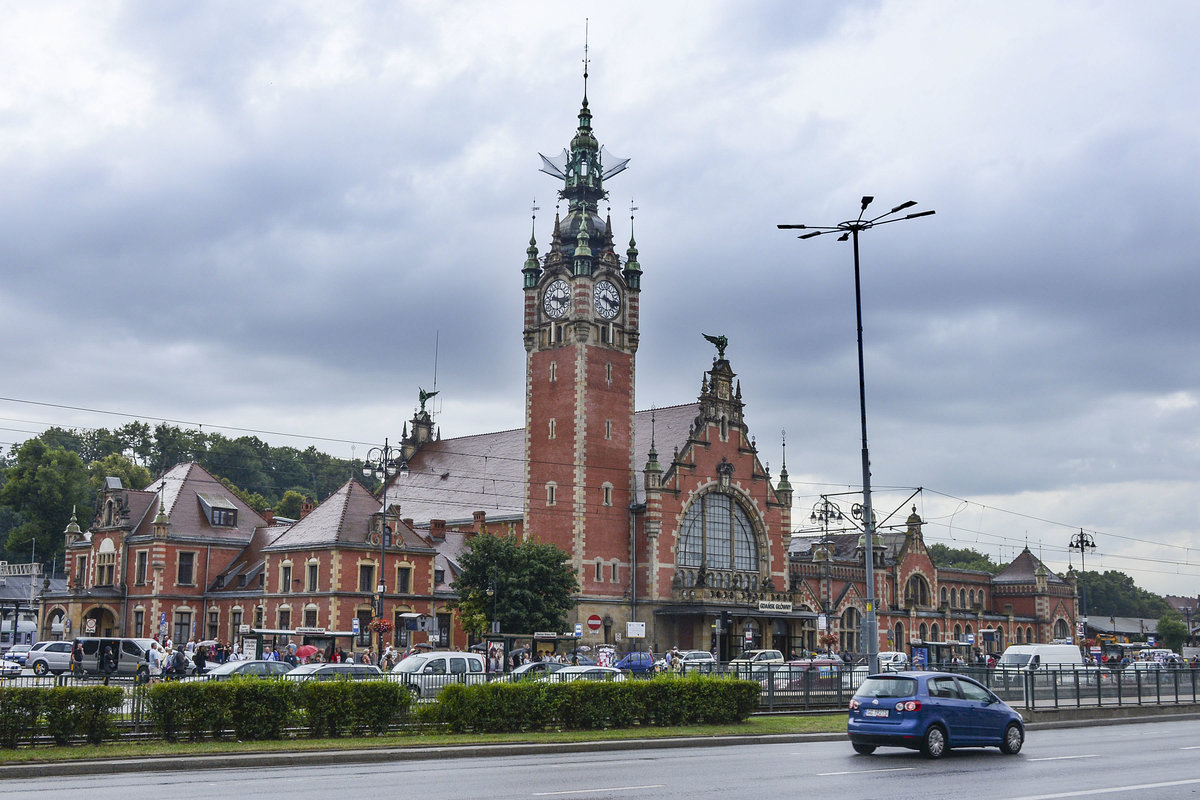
x,y
1109,790
1063,758
605,789
863,771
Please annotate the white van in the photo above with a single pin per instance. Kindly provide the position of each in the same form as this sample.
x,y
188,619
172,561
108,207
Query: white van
x,y
426,673
1030,657
893,661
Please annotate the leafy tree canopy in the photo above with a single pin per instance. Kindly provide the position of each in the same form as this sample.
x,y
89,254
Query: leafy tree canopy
x,y
962,558
1172,630
115,465
532,585
41,488
1114,594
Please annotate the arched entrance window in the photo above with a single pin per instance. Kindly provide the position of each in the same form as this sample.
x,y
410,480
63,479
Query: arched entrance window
x,y
898,642
848,636
933,633
718,534
924,633
1000,643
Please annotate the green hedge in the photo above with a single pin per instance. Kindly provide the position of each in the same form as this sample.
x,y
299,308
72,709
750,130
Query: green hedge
x,y
582,705
258,709
62,712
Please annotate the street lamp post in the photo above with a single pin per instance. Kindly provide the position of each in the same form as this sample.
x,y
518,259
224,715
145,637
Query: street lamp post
x,y
1082,542
383,463
824,512
850,230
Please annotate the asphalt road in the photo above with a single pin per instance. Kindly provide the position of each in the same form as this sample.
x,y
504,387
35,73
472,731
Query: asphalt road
x,y
1146,760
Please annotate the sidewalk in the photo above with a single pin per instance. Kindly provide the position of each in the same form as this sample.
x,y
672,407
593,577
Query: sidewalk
x,y
1045,720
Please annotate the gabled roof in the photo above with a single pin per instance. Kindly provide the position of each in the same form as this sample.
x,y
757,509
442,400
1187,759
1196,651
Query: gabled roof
x,y
181,487
1023,569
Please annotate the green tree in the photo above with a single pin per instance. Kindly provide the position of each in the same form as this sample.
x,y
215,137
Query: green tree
x,y
530,585
133,476
1114,594
1172,630
962,558
290,505
42,487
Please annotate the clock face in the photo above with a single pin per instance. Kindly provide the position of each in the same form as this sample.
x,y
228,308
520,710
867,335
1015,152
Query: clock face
x,y
607,300
557,299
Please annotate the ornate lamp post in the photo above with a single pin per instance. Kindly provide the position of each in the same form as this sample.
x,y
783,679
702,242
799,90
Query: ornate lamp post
x,y
383,463
850,230
1082,542
823,513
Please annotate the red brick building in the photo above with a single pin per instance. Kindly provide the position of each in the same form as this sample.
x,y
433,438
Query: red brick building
x,y
669,518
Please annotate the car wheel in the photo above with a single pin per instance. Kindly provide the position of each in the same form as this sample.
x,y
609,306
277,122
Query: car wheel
x,y
1014,737
40,668
864,749
934,743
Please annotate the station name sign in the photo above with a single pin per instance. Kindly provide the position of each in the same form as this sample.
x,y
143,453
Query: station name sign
x,y
778,606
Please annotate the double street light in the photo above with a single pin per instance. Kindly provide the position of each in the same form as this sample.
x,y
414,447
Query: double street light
x,y
383,463
850,230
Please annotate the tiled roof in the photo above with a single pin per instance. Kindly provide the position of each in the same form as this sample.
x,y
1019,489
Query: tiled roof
x,y
181,487
1022,570
450,479
342,518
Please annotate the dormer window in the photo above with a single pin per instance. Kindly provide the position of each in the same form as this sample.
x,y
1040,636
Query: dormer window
x,y
220,510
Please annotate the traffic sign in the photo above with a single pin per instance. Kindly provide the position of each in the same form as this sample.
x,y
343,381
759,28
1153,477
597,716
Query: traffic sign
x,y
578,630
594,623
354,625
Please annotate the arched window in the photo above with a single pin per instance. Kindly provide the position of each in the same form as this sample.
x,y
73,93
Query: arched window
x,y
972,598
933,633
962,598
945,598
924,633
898,643
717,534
1018,636
849,631
958,633
916,591
1029,635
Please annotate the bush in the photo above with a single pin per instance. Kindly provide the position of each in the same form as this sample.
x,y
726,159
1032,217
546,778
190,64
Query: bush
x,y
532,705
328,707
19,709
261,709
377,704
69,710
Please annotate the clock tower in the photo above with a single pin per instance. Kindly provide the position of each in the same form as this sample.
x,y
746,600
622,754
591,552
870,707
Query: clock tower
x,y
581,334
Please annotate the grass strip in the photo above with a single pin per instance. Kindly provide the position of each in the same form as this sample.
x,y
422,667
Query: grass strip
x,y
755,726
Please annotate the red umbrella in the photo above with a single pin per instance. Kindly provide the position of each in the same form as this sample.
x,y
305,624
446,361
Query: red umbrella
x,y
306,650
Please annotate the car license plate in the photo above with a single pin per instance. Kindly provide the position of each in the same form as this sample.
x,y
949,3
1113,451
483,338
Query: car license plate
x,y
875,712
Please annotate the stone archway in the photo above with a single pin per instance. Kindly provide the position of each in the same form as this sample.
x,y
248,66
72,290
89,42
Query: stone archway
x,y
99,621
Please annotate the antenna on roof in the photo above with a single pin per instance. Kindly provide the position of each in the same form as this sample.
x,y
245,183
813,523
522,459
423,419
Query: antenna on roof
x,y
585,57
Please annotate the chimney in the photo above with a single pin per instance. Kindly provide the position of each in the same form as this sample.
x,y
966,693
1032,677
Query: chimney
x,y
437,529
269,515
480,518
306,508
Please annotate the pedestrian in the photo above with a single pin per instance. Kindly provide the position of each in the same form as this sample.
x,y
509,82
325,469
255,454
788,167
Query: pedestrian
x,y
77,659
269,654
200,660
155,659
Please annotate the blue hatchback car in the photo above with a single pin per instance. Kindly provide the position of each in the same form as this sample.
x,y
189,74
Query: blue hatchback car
x,y
931,712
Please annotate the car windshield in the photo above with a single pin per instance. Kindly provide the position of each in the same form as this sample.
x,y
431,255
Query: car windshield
x,y
1015,659
410,664
227,668
887,687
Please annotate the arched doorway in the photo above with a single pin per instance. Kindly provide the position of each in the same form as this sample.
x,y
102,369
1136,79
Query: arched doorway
x,y
99,621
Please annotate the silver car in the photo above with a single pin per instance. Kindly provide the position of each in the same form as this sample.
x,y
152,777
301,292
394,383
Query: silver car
x,y
49,657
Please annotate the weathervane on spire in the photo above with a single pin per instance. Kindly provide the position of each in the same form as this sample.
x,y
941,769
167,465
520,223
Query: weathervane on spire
x,y
424,396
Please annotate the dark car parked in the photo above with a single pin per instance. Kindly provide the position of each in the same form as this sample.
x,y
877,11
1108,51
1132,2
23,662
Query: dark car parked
x,y
637,663
931,712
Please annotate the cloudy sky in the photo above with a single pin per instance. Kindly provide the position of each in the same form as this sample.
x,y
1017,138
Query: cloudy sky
x,y
286,217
